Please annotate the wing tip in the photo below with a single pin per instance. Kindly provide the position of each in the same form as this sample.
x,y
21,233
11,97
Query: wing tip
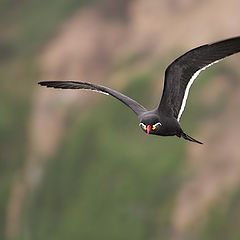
x,y
45,83
49,84
42,83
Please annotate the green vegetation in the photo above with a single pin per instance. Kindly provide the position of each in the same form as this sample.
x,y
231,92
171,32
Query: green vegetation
x,y
115,183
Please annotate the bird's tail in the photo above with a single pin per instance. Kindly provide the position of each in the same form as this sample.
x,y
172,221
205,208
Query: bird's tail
x,y
187,137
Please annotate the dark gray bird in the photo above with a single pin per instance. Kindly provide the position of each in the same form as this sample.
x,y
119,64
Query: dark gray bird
x,y
164,120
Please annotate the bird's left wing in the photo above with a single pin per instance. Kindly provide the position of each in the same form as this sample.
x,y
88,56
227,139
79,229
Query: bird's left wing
x,y
180,74
135,106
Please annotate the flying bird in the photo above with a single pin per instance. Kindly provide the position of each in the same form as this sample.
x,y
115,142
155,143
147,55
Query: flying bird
x,y
164,120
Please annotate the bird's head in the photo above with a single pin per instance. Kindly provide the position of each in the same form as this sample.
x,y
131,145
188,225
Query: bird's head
x,y
150,124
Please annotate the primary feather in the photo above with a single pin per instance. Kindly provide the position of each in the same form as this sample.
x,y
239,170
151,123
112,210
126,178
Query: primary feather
x,y
132,104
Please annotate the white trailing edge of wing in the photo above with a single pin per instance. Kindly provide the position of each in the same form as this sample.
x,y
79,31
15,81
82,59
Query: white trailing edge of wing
x,y
194,76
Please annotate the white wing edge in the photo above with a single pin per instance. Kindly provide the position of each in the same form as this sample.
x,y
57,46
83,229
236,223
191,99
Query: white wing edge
x,y
105,93
194,76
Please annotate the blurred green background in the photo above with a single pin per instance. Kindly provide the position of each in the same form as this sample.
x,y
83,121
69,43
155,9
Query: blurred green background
x,y
75,165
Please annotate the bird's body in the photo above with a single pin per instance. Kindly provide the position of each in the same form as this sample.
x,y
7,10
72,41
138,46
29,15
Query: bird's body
x,y
179,76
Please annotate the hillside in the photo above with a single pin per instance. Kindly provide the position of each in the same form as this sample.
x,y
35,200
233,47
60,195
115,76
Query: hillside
x,y
69,174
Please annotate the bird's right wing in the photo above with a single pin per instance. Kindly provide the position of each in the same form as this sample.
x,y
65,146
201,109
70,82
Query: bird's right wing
x,y
135,106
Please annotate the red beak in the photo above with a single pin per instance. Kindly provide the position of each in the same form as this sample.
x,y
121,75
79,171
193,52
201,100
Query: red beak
x,y
149,128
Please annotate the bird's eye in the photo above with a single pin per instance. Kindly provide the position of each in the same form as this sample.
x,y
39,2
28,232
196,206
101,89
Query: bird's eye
x,y
156,125
143,126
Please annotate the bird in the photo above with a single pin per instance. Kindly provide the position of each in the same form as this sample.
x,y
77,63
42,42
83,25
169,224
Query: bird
x,y
164,120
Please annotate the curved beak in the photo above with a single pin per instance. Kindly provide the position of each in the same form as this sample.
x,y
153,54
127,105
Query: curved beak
x,y
149,128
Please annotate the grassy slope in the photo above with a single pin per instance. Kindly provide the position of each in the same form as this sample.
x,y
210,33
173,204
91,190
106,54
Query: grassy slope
x,y
116,183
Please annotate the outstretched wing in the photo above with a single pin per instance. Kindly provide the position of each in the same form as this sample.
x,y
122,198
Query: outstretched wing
x,y
135,106
181,73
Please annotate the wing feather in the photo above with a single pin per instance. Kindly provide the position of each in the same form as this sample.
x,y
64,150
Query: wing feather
x,y
181,73
132,104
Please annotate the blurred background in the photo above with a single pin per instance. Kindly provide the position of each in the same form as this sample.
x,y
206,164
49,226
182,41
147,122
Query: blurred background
x,y
75,165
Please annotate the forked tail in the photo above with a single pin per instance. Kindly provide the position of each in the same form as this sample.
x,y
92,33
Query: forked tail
x,y
187,137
